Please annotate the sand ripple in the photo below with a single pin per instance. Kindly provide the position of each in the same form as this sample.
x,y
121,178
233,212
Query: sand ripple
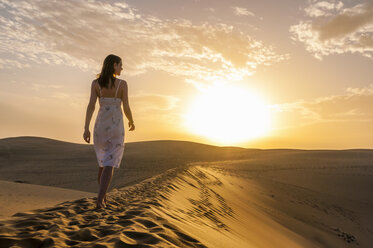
x,y
128,221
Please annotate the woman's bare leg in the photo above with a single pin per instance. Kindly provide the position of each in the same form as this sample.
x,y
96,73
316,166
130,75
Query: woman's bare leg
x,y
105,179
99,173
99,178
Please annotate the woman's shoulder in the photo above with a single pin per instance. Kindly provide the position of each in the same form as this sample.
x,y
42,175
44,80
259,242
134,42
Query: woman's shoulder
x,y
123,82
95,83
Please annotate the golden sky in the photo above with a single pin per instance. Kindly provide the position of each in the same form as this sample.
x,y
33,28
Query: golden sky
x,y
306,64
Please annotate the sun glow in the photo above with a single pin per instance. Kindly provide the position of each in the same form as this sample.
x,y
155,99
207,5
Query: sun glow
x,y
228,115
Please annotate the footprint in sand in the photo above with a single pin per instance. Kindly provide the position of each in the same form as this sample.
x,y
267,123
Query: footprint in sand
x,y
143,237
84,234
125,223
146,223
106,231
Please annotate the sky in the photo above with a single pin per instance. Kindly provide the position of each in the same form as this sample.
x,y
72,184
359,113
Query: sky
x,y
307,63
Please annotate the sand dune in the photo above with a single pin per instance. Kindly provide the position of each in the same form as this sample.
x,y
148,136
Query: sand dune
x,y
49,162
315,202
166,211
265,198
206,205
19,197
129,220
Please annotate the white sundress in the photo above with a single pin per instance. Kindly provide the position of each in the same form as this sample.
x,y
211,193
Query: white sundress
x,y
108,138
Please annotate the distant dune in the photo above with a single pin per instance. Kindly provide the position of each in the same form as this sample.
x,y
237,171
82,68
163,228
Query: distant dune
x,y
185,194
61,164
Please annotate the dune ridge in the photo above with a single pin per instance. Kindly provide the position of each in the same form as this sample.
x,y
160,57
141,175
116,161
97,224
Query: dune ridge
x,y
128,221
200,205
168,210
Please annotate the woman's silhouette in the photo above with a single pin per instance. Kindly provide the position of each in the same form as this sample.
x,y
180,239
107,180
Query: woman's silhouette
x,y
108,134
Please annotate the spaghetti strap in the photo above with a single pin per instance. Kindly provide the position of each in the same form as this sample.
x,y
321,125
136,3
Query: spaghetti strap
x,y
117,88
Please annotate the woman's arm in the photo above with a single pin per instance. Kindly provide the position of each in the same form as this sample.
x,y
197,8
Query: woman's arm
x,y
126,106
90,110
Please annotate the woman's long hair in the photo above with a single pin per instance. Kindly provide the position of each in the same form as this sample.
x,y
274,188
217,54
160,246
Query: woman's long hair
x,y
107,71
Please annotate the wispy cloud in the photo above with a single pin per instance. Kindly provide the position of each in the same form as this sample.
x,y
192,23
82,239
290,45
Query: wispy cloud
x,y
353,105
211,9
38,87
242,11
335,29
323,8
80,34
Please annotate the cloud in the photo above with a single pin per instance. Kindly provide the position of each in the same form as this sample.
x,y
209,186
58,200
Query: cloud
x,y
82,33
350,21
322,8
210,9
11,63
335,29
37,87
352,106
66,32
242,11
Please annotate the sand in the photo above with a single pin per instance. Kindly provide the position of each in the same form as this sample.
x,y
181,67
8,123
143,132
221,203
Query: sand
x,y
268,198
49,162
20,197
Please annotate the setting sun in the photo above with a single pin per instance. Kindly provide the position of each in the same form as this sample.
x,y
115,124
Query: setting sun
x,y
228,115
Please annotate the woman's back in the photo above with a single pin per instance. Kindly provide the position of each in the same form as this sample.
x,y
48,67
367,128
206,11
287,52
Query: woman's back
x,y
110,92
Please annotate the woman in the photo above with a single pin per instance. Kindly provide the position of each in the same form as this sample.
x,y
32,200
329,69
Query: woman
x,y
108,138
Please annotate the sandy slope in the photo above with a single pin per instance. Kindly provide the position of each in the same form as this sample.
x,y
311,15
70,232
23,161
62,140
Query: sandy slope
x,y
318,204
206,205
129,221
19,197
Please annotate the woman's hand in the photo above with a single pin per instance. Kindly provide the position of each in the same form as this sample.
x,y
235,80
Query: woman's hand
x,y
131,126
87,136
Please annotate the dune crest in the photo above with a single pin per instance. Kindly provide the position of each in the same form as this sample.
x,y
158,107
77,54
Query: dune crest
x,y
184,207
128,220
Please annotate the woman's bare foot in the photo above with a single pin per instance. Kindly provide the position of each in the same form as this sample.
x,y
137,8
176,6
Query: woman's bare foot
x,y
100,205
